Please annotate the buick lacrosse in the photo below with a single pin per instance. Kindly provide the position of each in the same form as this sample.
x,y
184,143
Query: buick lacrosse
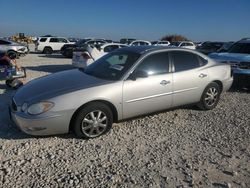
x,y
122,84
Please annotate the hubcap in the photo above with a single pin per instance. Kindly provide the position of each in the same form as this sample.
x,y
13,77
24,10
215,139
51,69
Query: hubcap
x,y
94,123
211,96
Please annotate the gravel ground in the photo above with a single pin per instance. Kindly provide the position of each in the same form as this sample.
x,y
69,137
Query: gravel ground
x,y
178,148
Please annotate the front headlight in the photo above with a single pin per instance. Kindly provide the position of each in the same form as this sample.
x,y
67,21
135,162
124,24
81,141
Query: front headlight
x,y
40,108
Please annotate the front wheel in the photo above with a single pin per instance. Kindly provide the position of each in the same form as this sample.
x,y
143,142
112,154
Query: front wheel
x,y
93,120
210,97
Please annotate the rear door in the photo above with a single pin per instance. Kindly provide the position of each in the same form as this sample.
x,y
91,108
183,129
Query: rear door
x,y
150,94
189,78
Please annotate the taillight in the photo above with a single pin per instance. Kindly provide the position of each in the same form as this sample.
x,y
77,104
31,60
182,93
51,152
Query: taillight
x,y
86,56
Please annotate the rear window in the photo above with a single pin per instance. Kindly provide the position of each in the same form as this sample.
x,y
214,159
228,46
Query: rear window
x,y
43,39
4,42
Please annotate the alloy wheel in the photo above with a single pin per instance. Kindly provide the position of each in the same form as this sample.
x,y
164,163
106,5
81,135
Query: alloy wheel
x,y
211,96
94,123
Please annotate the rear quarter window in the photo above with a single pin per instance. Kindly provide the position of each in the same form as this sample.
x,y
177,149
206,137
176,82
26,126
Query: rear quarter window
x,y
185,61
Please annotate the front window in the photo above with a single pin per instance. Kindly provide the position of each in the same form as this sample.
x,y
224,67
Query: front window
x,y
243,48
112,66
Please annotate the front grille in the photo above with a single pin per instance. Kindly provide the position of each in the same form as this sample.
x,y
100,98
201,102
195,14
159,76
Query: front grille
x,y
13,105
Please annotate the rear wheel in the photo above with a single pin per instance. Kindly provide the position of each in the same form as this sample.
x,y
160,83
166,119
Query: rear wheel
x,y
47,50
93,120
210,97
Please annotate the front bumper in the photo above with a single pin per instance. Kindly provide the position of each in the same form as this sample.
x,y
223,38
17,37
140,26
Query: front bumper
x,y
48,125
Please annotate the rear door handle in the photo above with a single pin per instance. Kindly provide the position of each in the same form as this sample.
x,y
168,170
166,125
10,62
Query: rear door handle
x,y
202,75
164,82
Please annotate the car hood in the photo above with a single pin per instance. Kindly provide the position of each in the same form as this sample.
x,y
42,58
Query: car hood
x,y
230,57
56,84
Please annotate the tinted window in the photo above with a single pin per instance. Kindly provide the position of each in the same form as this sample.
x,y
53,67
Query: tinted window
x,y
53,40
189,44
4,42
110,48
155,64
62,40
43,39
243,48
184,61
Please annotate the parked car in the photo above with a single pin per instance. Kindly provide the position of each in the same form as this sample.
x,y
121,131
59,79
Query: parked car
x,y
85,56
161,43
127,40
238,56
125,83
67,49
184,44
13,49
225,47
209,47
48,45
140,43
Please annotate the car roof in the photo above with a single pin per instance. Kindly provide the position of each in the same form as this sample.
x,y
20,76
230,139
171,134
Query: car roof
x,y
244,40
148,48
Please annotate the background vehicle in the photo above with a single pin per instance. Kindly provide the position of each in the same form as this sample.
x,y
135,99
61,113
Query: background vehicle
x,y
140,43
209,47
184,44
125,83
225,47
67,49
48,45
85,56
238,56
160,43
127,40
13,49
10,72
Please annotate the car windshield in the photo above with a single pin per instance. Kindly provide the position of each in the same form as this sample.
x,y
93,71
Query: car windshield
x,y
112,66
243,48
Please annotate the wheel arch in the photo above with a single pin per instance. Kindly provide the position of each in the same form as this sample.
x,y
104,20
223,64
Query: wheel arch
x,y
109,104
220,84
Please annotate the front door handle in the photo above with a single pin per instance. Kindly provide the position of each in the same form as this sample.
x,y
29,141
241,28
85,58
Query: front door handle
x,y
202,75
164,82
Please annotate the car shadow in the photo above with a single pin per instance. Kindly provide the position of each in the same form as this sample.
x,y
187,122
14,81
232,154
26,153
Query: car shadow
x,y
51,68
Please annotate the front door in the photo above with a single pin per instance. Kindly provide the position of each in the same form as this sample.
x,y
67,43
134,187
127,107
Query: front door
x,y
152,93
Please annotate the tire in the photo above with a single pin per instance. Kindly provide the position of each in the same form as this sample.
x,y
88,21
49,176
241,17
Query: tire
x,y
87,125
47,50
12,54
210,97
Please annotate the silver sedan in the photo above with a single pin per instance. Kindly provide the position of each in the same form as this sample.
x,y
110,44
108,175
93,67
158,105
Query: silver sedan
x,y
125,83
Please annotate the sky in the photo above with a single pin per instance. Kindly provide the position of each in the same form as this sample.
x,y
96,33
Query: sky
x,y
198,20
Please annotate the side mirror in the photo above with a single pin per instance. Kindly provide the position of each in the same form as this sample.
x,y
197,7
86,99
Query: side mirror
x,y
138,74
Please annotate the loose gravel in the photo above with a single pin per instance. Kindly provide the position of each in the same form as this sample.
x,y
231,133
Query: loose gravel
x,y
185,147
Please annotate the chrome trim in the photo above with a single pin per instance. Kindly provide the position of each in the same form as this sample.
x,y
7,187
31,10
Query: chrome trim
x,y
159,95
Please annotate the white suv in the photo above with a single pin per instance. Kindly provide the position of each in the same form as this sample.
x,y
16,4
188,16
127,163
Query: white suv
x,y
48,45
184,44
